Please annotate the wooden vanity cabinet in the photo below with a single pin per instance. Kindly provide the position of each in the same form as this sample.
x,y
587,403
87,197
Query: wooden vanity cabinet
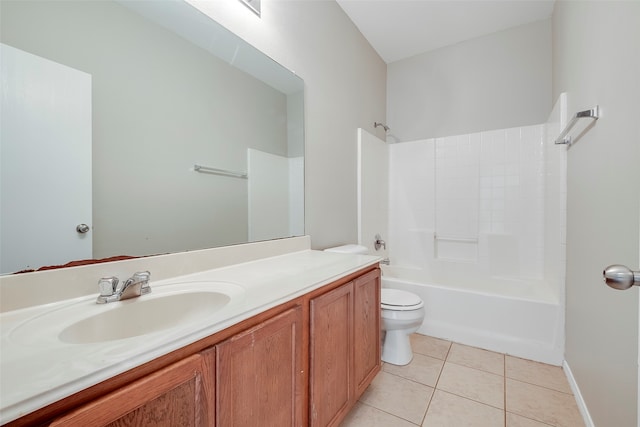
x,y
172,396
260,375
366,324
344,347
305,362
331,356
254,378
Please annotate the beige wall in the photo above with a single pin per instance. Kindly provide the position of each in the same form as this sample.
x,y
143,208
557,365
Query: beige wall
x,y
496,81
345,83
596,60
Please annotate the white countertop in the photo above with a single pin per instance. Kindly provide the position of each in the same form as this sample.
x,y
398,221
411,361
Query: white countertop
x,y
37,372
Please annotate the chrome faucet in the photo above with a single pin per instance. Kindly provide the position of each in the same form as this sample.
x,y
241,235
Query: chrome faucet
x,y
111,291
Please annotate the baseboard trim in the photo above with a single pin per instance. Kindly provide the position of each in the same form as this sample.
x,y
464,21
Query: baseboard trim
x,y
582,406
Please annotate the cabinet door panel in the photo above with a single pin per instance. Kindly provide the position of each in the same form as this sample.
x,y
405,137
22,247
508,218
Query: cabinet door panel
x,y
260,375
331,373
175,395
366,329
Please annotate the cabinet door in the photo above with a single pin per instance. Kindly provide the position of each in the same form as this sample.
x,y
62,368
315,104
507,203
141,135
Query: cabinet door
x,y
260,375
367,360
331,353
178,395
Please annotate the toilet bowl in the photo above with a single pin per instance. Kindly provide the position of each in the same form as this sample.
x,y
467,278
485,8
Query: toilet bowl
x,y
402,315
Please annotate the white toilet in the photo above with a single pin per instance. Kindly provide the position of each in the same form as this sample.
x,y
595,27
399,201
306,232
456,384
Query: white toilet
x,y
402,315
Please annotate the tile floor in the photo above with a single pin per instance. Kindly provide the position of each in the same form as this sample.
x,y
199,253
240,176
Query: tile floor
x,y
453,385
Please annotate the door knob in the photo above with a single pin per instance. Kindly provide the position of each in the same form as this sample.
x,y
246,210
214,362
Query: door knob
x,y
82,228
621,277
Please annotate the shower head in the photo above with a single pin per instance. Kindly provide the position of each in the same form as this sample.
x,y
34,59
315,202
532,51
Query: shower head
x,y
385,127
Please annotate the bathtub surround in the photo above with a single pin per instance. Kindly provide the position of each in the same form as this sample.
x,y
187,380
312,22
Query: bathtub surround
x,y
275,195
475,198
373,191
515,318
475,201
468,220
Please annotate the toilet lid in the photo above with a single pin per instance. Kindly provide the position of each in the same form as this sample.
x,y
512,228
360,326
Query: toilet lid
x,y
395,299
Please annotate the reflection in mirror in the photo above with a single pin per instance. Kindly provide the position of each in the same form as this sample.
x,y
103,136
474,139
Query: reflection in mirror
x,y
110,106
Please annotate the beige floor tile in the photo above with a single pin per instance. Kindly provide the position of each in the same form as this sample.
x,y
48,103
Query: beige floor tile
x,y
474,384
367,416
477,358
531,372
514,420
448,410
542,404
398,396
422,369
429,346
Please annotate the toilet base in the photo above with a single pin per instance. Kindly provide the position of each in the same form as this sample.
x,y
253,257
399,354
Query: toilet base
x,y
397,348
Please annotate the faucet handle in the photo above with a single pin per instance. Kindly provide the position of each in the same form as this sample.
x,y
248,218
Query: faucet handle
x,y
108,285
143,277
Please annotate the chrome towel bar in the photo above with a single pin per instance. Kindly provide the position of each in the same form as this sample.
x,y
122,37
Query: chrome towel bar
x,y
216,171
564,137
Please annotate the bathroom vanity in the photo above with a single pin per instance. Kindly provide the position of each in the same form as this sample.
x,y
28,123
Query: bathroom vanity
x,y
297,347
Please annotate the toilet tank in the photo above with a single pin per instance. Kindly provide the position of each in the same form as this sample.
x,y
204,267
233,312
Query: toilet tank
x,y
349,249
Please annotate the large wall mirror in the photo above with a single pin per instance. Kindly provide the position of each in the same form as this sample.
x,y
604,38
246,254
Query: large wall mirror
x,y
147,122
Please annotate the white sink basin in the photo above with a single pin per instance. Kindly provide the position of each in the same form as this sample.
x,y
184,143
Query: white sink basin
x,y
167,307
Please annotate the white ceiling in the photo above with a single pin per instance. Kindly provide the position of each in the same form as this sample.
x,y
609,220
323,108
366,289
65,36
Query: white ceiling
x,y
398,29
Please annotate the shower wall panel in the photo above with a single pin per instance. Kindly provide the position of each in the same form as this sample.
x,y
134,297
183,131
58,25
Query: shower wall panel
x,y
476,200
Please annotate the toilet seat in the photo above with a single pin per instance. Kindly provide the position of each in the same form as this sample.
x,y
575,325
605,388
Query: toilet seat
x,y
395,299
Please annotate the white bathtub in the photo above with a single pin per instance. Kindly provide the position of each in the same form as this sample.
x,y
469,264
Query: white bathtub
x,y
516,317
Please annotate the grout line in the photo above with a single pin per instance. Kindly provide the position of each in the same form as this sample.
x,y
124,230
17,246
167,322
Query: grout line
x,y
435,388
472,400
388,413
484,371
426,411
504,371
410,380
541,386
528,418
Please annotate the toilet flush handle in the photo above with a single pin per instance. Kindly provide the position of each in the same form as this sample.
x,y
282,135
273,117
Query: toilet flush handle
x,y
379,243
